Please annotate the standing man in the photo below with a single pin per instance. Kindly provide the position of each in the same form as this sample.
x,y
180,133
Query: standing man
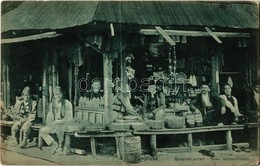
x,y
26,108
59,114
210,105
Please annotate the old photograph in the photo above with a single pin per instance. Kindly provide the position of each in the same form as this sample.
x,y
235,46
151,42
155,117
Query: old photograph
x,y
169,83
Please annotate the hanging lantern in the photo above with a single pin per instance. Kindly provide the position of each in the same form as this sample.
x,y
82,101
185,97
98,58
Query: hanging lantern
x,y
160,39
243,43
239,44
177,39
173,38
183,40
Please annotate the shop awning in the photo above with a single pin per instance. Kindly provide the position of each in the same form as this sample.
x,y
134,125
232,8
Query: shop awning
x,y
64,14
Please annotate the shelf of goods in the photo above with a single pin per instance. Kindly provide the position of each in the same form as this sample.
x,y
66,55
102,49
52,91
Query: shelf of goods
x,y
92,115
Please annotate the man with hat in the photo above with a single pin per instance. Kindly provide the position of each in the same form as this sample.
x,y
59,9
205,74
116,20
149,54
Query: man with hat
x,y
121,102
154,102
59,114
95,90
210,105
26,108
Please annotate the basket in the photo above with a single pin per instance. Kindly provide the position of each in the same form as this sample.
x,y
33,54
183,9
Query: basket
x,y
139,126
75,127
174,122
119,127
131,149
155,124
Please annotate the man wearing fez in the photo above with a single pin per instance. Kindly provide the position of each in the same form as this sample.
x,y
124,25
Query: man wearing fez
x,y
26,109
210,105
59,114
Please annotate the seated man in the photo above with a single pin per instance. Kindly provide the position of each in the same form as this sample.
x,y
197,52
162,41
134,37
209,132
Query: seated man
x,y
210,105
121,103
253,104
60,112
95,90
232,111
154,103
27,113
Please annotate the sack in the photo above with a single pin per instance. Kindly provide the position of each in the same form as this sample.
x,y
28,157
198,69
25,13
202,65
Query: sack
x,y
174,122
190,119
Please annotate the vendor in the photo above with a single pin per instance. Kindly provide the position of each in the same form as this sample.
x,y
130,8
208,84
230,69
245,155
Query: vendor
x,y
210,105
154,103
121,102
26,109
95,92
232,110
60,112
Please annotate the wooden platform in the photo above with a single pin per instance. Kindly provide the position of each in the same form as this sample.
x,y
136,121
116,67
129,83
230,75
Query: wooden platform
x,y
153,134
190,131
93,136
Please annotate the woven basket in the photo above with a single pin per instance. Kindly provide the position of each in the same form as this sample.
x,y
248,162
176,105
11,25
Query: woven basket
x,y
155,124
174,122
75,128
139,126
119,127
132,149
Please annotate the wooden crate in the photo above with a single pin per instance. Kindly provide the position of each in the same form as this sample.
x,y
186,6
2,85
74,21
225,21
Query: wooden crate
x,y
92,116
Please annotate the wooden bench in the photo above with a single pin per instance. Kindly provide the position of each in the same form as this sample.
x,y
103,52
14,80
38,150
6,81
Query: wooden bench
x,y
9,124
93,136
189,131
4,123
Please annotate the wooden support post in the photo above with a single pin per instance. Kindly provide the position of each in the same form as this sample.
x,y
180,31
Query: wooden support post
x,y
153,144
190,142
66,148
215,73
45,88
75,85
229,140
108,96
7,87
93,146
40,141
70,81
117,148
123,73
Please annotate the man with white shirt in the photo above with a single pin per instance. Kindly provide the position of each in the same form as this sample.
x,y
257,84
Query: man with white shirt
x,y
59,114
210,105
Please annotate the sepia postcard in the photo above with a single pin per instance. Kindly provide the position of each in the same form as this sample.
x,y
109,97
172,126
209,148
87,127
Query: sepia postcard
x,y
169,83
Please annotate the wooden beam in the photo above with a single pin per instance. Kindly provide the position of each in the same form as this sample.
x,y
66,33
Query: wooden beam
x,y
212,34
32,37
193,33
165,36
112,31
88,43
